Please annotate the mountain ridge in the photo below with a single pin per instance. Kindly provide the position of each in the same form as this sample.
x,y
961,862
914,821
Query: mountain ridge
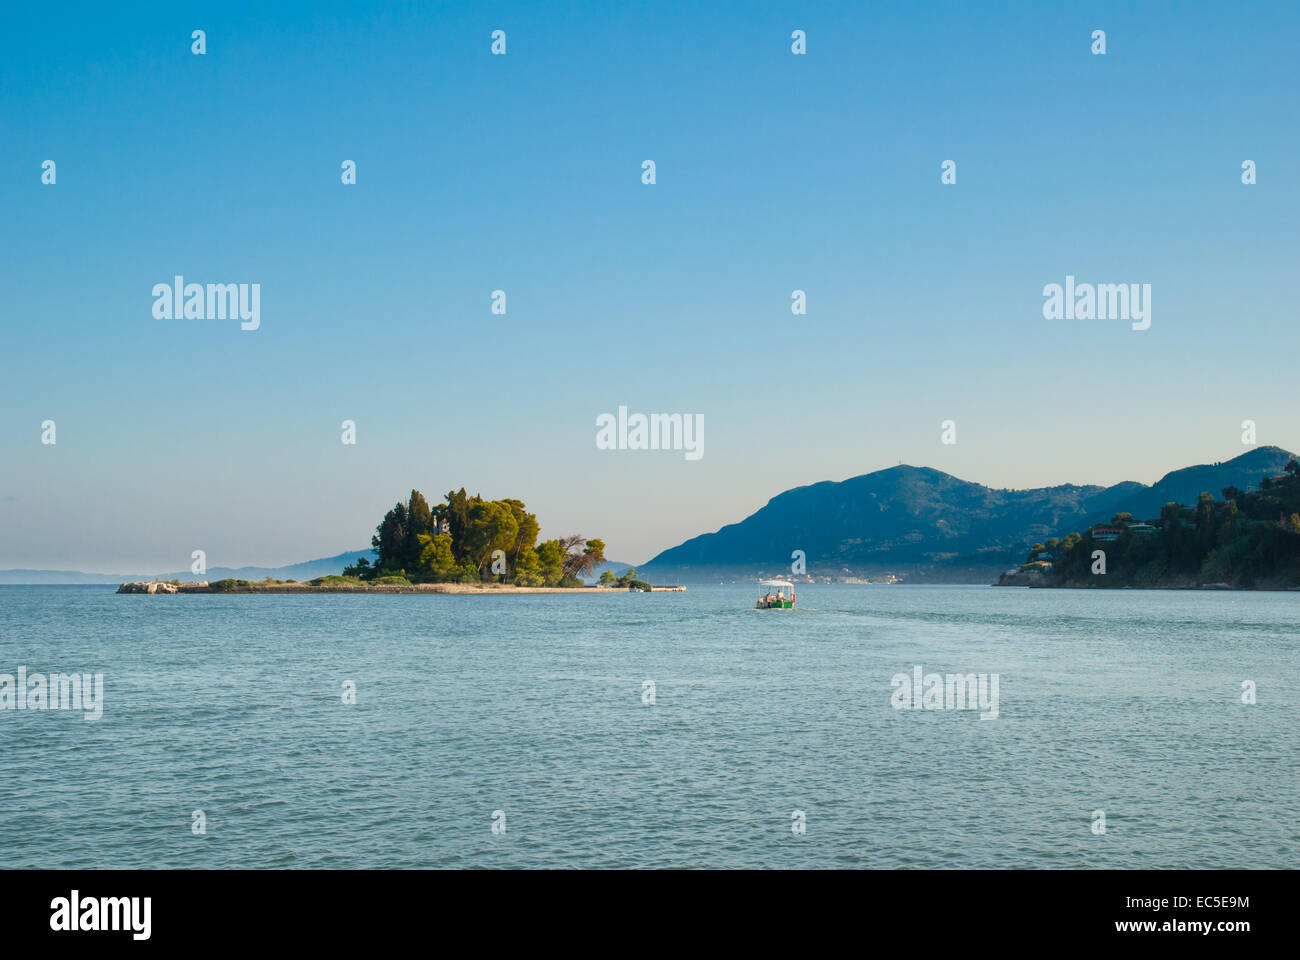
x,y
928,525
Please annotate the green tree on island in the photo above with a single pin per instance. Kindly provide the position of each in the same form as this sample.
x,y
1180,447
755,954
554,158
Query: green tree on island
x,y
471,540
628,579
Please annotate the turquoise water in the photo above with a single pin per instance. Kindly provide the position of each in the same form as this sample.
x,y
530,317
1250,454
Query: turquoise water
x,y
1123,701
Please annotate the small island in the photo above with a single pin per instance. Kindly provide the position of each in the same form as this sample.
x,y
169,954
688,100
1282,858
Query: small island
x,y
1249,540
352,585
465,545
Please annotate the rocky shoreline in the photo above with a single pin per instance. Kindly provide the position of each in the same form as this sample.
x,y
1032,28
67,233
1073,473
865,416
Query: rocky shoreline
x,y
1015,577
204,586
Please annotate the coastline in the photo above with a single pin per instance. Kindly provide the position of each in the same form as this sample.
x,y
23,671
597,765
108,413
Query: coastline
x,y
162,587
1037,581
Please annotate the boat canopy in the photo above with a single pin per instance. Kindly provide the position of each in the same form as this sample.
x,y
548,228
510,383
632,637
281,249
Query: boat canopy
x,y
776,583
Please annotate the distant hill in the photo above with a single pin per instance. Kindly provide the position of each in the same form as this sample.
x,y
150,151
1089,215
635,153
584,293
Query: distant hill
x,y
306,570
45,577
926,525
616,567
1185,485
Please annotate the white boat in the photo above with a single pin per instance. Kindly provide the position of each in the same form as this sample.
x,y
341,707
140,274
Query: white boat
x,y
783,599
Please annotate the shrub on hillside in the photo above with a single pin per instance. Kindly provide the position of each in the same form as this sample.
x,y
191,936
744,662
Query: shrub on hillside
x,y
228,585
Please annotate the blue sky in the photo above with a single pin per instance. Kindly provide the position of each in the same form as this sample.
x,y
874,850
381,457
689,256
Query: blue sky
x,y
522,172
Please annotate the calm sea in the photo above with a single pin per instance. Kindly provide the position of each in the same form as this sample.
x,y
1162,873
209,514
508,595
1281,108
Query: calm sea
x,y
529,711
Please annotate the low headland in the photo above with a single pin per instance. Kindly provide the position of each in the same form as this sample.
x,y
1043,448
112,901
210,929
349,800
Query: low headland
x,y
1249,540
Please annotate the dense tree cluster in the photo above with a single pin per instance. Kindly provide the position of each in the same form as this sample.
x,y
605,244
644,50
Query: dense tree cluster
x,y
1247,539
629,579
471,540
